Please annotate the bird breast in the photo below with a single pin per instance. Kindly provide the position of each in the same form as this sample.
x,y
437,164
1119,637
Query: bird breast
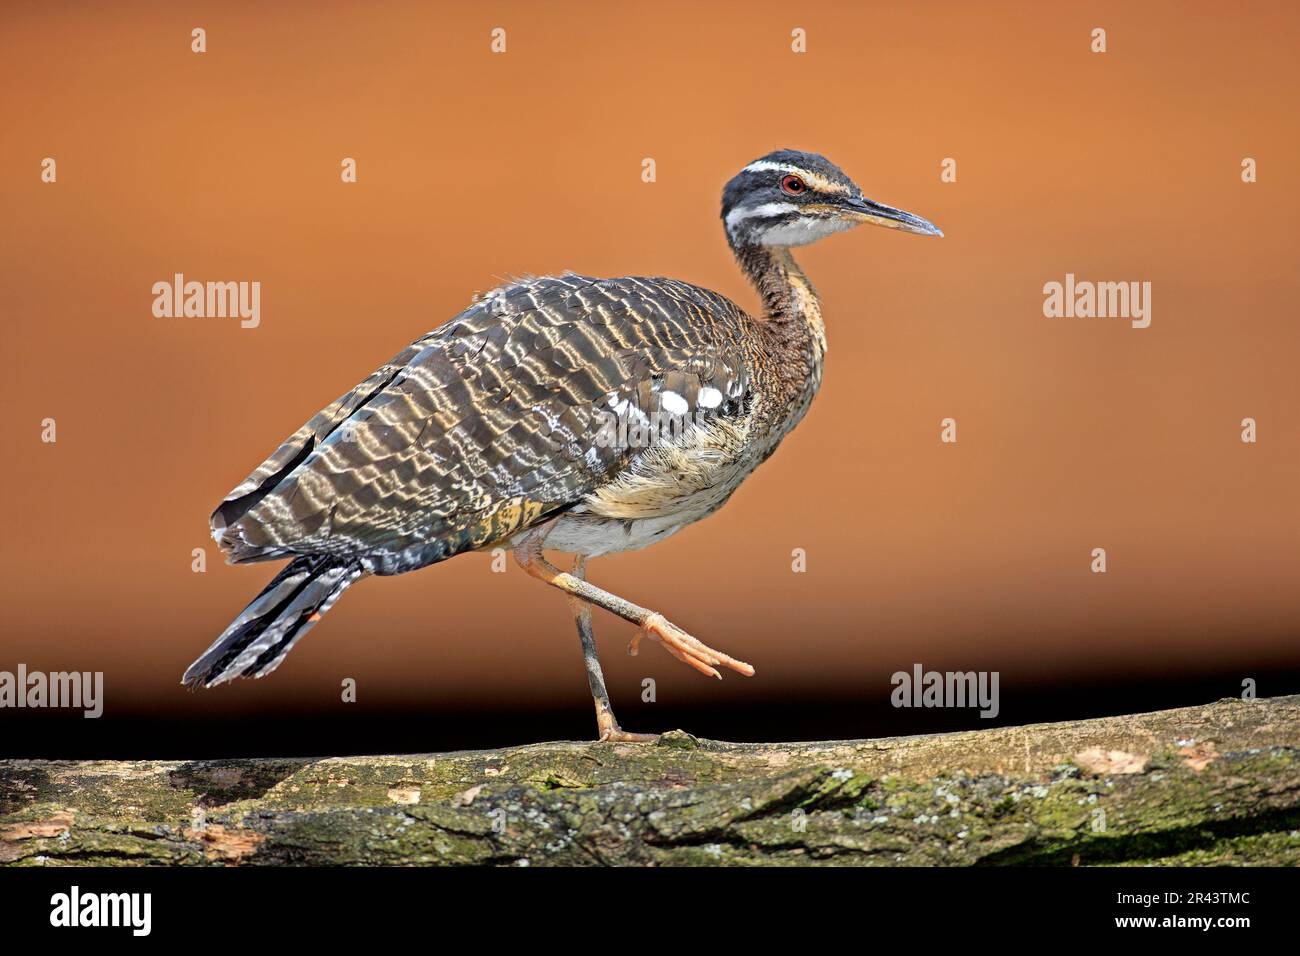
x,y
670,485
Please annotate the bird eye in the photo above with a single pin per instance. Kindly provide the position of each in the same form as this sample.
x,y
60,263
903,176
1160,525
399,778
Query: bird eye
x,y
793,185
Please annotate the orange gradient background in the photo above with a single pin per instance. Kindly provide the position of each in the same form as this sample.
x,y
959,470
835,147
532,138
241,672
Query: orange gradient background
x,y
473,167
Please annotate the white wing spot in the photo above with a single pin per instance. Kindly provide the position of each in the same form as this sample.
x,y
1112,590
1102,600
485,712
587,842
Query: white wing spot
x,y
674,404
710,397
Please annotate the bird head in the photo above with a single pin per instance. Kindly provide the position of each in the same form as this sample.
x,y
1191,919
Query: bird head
x,y
791,198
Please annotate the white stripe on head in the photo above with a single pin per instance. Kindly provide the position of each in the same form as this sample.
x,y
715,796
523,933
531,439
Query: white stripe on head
x,y
815,180
801,231
766,166
765,211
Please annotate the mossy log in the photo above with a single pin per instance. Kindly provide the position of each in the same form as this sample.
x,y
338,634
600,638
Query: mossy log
x,y
1217,784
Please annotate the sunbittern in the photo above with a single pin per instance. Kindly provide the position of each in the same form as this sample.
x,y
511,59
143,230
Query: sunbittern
x,y
587,416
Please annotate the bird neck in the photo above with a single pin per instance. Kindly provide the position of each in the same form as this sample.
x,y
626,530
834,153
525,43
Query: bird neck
x,y
793,328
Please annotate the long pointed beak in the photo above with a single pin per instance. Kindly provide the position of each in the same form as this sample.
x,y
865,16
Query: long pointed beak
x,y
878,214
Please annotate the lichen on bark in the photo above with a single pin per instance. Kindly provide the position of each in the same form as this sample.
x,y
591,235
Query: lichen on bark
x,y
1217,784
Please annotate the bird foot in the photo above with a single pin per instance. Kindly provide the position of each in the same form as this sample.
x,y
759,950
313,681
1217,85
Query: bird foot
x,y
620,736
608,730
685,648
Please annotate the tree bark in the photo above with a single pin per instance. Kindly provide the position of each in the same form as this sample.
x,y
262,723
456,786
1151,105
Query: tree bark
x,y
1216,784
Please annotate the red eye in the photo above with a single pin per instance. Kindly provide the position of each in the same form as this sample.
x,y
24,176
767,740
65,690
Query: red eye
x,y
793,185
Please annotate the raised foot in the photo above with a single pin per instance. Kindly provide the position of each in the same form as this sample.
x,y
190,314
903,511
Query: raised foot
x,y
686,648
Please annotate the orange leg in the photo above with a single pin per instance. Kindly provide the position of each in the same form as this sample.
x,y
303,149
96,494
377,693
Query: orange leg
x,y
685,648
582,594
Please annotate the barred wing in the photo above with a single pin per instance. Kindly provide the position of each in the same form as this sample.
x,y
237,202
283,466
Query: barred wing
x,y
492,422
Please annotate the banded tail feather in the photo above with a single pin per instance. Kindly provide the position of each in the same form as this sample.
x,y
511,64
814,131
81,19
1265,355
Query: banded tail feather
x,y
257,641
